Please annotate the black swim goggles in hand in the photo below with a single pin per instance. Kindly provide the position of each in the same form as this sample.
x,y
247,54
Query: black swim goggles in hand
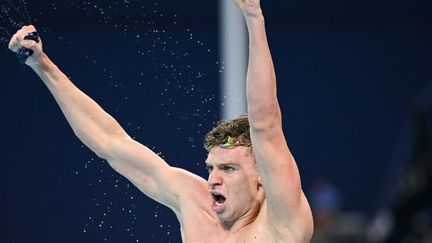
x,y
23,53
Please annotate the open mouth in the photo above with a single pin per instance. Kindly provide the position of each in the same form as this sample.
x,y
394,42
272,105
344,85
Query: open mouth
x,y
218,198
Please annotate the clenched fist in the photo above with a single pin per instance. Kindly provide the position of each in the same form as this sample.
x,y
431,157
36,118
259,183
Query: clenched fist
x,y
19,40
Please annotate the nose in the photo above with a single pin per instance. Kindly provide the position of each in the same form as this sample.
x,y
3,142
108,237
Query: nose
x,y
214,179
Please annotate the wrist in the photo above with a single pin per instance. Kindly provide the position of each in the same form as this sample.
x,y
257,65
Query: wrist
x,y
253,19
253,12
42,63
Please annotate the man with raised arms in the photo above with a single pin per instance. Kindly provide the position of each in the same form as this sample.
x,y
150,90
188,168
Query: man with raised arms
x,y
253,192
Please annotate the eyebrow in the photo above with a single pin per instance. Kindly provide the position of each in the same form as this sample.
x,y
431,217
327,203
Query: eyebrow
x,y
222,164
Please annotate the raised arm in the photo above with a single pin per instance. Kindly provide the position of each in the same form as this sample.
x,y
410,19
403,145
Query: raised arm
x,y
280,177
101,132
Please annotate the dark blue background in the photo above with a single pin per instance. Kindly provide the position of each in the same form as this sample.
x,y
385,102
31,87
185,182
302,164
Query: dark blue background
x,y
348,74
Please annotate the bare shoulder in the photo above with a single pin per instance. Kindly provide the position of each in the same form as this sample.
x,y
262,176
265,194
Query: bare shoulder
x,y
298,229
191,191
188,184
194,214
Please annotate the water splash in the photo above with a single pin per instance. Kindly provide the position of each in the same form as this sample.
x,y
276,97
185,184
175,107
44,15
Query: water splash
x,y
13,15
172,57
113,203
5,36
173,65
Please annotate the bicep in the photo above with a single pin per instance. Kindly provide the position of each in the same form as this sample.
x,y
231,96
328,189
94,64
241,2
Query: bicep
x,y
148,172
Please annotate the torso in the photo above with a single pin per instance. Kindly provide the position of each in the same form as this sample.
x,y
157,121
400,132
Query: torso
x,y
205,229
200,225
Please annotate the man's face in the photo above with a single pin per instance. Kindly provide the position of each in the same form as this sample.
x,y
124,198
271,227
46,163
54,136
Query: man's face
x,y
233,181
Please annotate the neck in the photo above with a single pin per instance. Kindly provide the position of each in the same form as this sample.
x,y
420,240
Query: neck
x,y
234,226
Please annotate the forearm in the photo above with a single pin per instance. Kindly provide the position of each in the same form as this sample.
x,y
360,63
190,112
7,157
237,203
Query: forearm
x,y
263,107
93,126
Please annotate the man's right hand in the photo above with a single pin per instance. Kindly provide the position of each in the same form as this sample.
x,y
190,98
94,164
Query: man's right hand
x,y
18,41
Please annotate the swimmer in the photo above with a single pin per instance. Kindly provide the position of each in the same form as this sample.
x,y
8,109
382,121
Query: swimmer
x,y
253,191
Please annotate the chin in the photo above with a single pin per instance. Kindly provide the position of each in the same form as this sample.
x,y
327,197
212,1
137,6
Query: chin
x,y
227,223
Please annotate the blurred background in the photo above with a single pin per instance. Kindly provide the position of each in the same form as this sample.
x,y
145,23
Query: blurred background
x,y
354,85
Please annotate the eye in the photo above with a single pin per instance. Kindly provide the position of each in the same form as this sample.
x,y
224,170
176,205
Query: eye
x,y
228,168
209,168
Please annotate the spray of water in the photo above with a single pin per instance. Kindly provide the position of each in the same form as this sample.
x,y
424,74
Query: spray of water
x,y
13,15
172,59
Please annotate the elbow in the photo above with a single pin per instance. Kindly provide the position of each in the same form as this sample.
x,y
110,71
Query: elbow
x,y
100,145
101,149
106,147
101,153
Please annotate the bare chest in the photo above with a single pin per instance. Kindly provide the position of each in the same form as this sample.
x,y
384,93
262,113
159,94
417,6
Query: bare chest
x,y
204,231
